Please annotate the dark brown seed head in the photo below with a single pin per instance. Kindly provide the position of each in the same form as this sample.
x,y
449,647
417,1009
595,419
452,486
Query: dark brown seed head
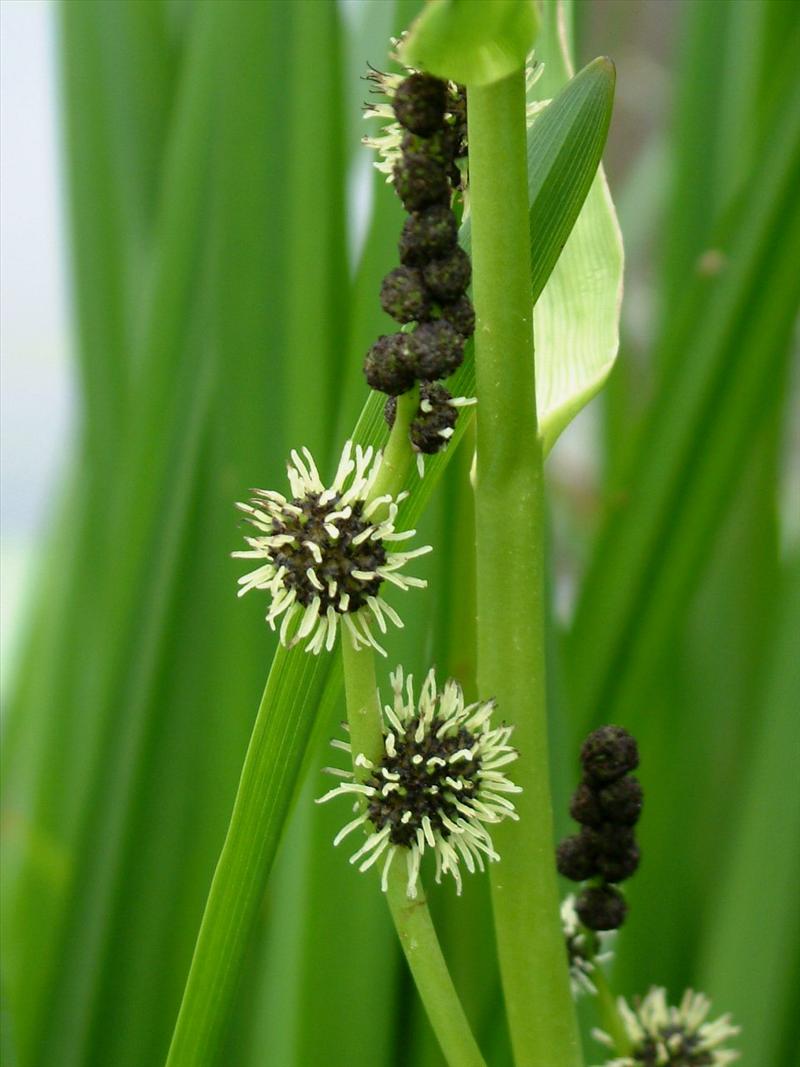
x,y
438,350
601,908
419,103
576,858
461,315
448,278
404,295
618,868
611,839
608,753
440,147
621,801
420,181
389,364
427,235
435,417
585,806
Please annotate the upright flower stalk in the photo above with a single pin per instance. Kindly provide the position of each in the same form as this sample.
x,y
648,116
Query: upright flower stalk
x,y
411,915
511,574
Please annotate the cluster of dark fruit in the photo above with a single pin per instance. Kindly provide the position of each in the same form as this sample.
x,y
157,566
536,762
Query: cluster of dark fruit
x,y
429,288
607,804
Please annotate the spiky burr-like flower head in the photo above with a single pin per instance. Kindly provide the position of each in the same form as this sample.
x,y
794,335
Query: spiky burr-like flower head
x,y
404,296
461,316
427,234
390,364
664,1036
601,907
437,349
419,103
437,786
608,753
447,279
326,551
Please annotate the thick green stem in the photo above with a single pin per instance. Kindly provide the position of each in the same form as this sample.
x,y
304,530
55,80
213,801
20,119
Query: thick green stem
x,y
397,456
609,1013
363,712
412,918
511,576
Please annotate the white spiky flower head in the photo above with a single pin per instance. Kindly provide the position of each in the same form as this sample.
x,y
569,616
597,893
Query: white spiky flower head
x,y
586,949
326,552
438,786
665,1036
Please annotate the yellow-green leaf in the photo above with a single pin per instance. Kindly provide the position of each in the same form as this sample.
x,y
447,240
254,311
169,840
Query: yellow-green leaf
x,y
576,319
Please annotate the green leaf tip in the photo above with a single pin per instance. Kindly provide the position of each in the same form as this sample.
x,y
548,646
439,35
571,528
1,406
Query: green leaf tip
x,y
472,43
604,63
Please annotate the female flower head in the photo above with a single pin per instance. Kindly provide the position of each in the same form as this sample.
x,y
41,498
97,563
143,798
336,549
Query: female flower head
x,y
437,786
326,552
664,1036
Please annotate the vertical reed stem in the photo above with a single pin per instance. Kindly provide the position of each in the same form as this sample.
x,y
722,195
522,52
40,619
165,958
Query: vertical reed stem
x,y
510,575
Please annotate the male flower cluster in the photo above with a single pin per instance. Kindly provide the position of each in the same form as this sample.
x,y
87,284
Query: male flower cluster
x,y
607,804
428,289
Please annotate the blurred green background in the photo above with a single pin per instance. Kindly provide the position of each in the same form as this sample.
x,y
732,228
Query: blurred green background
x,y
227,238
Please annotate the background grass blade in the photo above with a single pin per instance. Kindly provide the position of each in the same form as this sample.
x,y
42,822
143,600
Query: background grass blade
x,y
695,435
106,212
683,671
748,965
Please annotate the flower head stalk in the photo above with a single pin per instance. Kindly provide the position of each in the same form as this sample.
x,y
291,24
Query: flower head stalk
x,y
586,949
438,785
661,1035
327,552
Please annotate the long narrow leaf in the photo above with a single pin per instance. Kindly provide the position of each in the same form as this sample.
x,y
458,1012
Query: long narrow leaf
x,y
644,564
749,963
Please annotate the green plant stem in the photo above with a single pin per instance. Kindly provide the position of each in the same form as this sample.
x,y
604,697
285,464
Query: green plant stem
x,y
511,576
420,944
412,918
363,713
397,456
609,1013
